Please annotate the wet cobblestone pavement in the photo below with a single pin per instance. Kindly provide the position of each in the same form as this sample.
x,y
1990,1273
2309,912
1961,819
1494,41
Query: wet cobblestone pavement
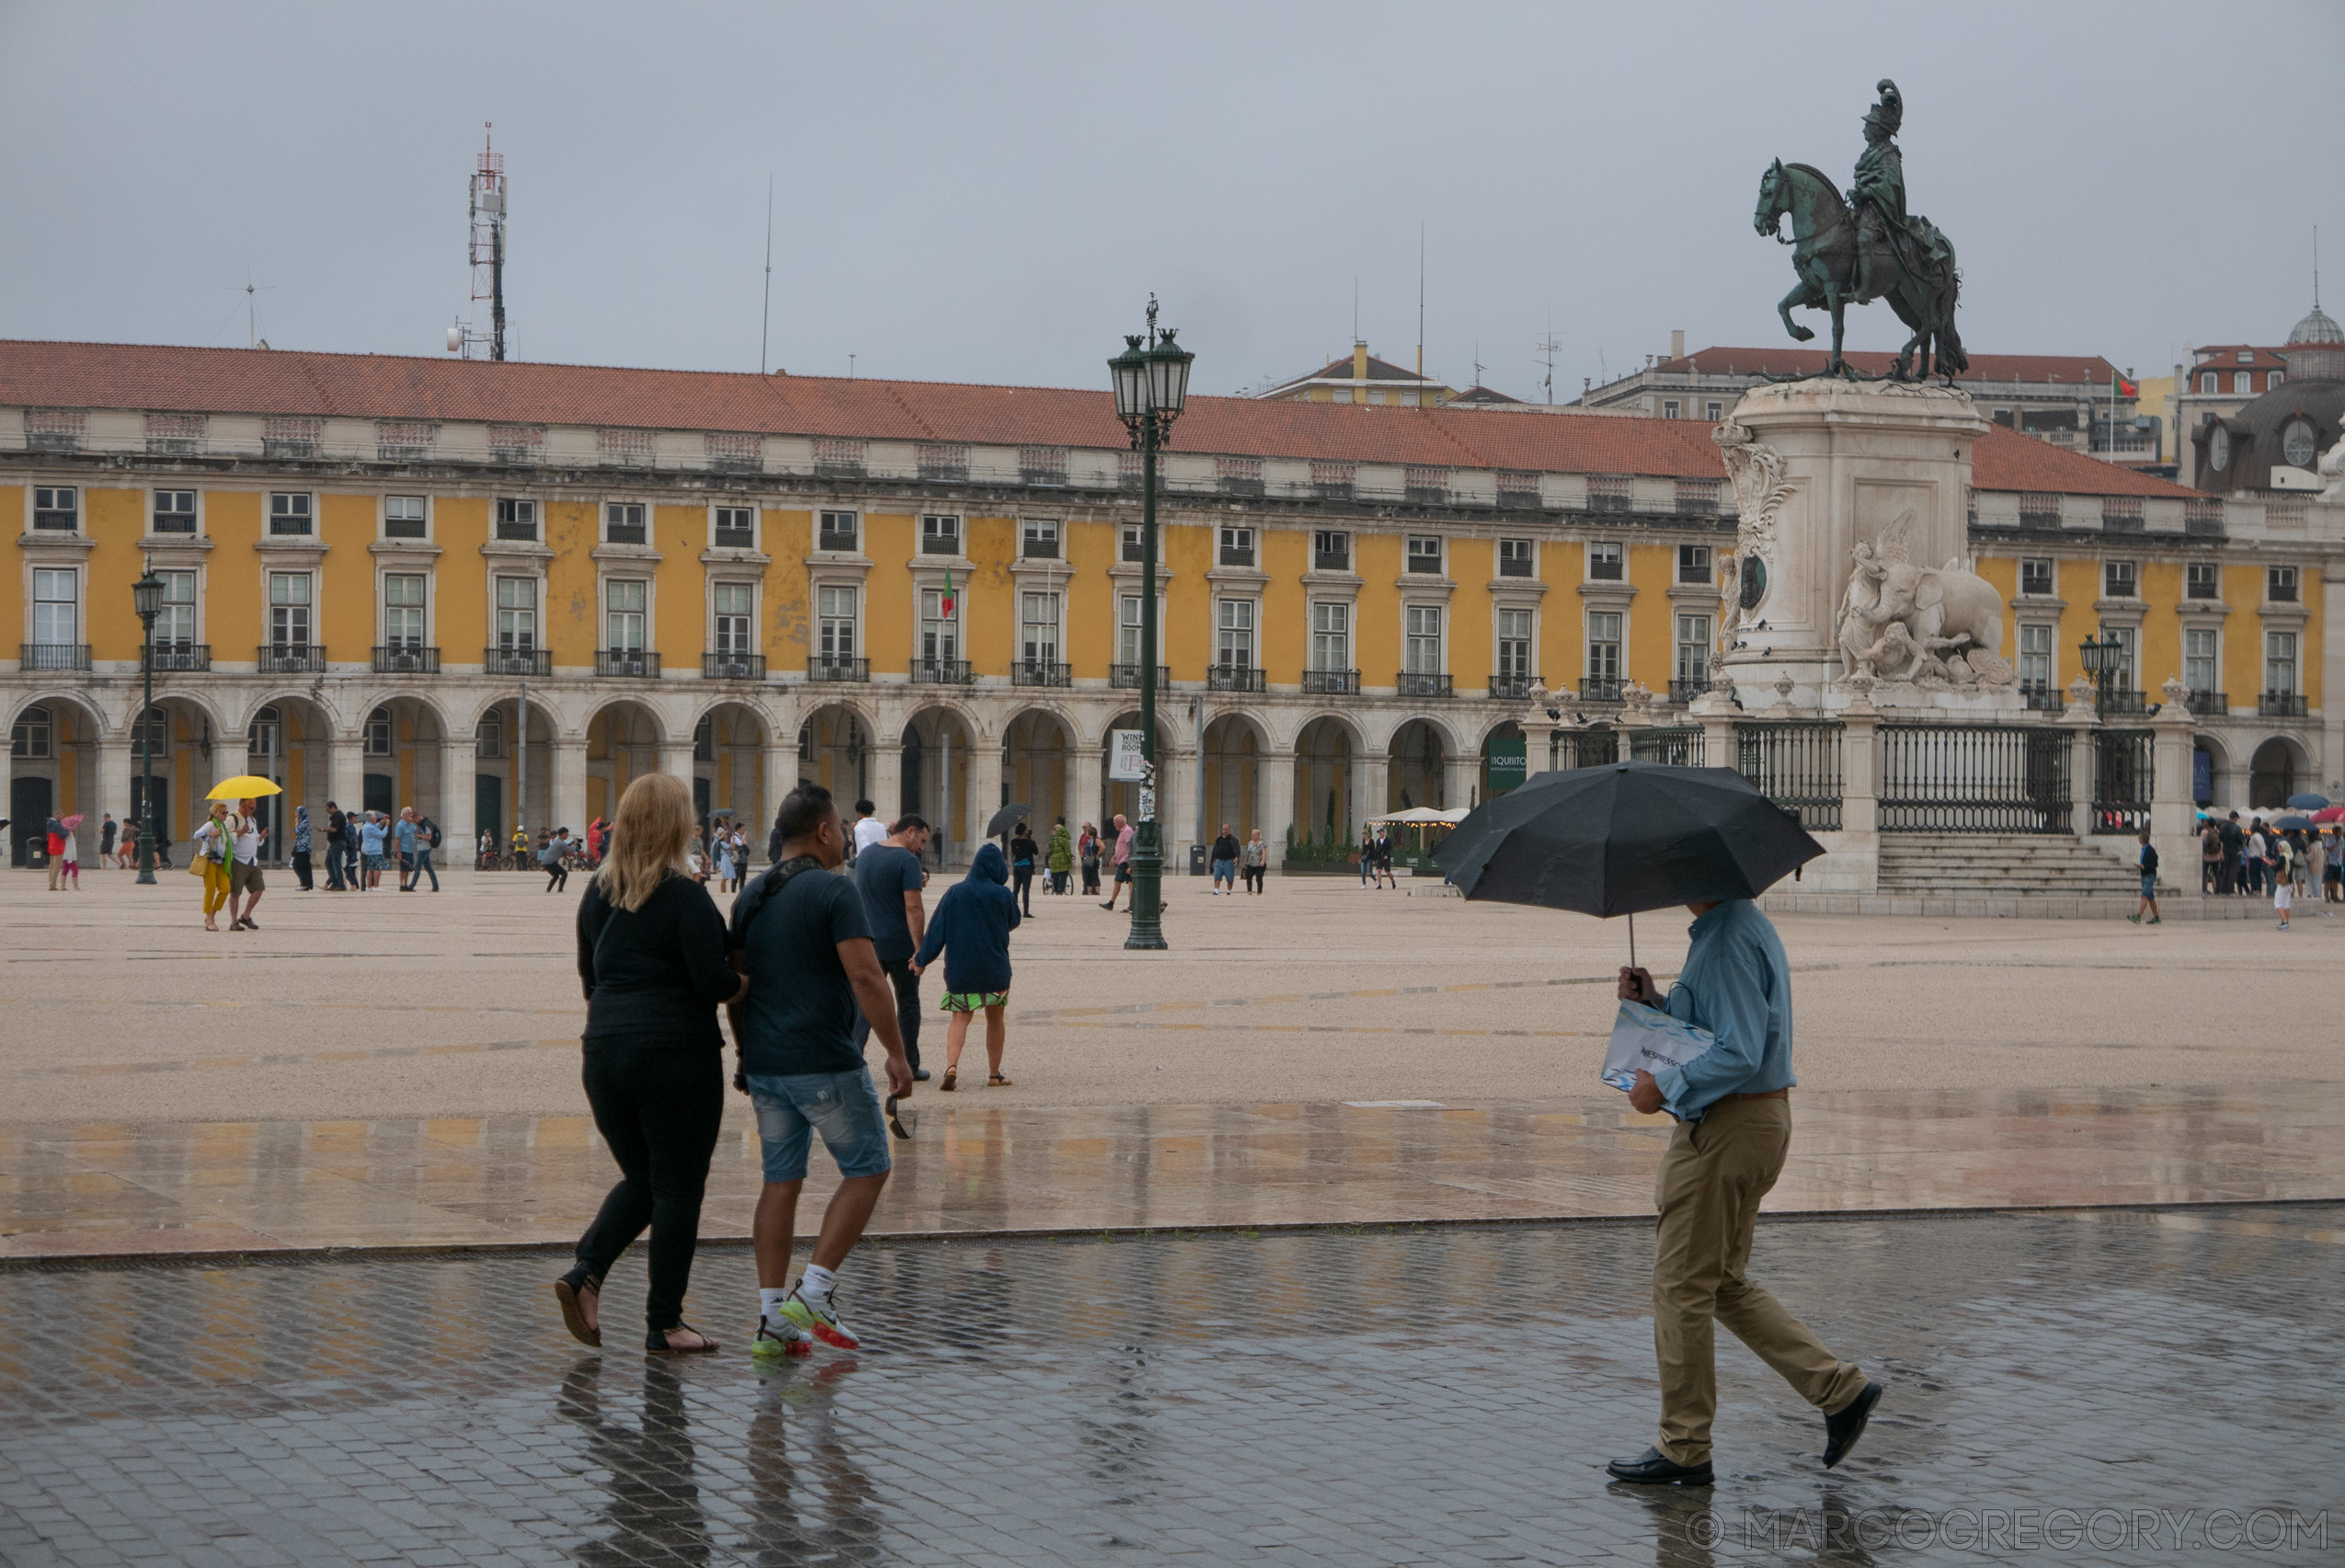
x,y
2173,1380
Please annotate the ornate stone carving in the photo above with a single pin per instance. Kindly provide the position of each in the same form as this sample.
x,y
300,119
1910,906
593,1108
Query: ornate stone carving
x,y
2332,468
1935,627
1756,469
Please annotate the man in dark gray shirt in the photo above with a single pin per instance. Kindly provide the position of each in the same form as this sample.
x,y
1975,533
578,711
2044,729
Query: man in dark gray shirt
x,y
889,876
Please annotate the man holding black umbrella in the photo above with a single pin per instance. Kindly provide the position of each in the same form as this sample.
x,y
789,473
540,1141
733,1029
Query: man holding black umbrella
x,y
1733,1111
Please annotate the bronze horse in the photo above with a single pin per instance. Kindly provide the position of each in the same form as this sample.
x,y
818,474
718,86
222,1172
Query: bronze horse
x,y
1824,237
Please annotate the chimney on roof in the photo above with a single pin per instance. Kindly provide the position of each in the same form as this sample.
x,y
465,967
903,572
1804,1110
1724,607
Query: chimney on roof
x,y
1359,360
1677,343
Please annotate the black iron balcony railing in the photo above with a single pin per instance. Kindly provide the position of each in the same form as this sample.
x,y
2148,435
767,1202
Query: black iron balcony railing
x,y
1512,688
1331,682
1514,567
737,539
631,664
1599,688
2281,704
1685,688
1039,549
2216,703
1422,684
837,666
2125,700
732,666
839,543
516,662
54,655
406,659
1233,678
1040,673
1237,555
1127,677
1330,560
941,672
182,659
2040,698
292,658
622,533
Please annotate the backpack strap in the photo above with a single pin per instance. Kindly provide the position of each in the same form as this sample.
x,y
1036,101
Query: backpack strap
x,y
749,901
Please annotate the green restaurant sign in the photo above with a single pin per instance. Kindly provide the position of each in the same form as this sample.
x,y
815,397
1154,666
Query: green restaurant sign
x,y
1508,767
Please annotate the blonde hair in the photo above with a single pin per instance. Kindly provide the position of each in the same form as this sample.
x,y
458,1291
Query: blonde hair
x,y
650,829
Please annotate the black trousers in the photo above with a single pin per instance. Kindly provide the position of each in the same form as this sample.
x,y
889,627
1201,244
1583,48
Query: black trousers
x,y
1253,877
301,868
908,1008
1022,884
658,1107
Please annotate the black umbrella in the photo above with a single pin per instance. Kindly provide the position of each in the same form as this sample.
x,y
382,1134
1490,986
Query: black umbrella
x,y
1008,818
1615,838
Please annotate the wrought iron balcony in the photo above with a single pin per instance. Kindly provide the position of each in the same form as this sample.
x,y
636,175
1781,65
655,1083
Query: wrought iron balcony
x,y
1422,683
516,662
1039,549
2040,698
182,659
1330,560
732,666
1237,555
1513,688
630,664
1331,682
1233,678
406,659
54,655
1040,673
829,667
622,532
737,539
2125,700
838,544
292,658
2281,704
1599,688
941,672
1127,677
1684,689
2209,704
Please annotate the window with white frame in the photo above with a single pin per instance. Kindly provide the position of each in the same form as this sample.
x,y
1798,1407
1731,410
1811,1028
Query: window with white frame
x,y
1604,562
175,617
265,736
1693,649
1331,551
1693,565
56,507
2125,673
516,615
1330,636
1420,640
174,512
1604,645
402,517
836,532
940,535
379,730
30,736
2117,579
736,528
1234,633
1237,546
940,626
2242,382
489,737
403,610
1668,407
2206,383
1131,545
1041,539
1517,557
2035,655
2201,580
626,607
2201,655
56,606
736,617
1127,629
516,519
1038,628
290,513
1515,644
2280,585
835,618
623,523
1717,411
2035,575
289,607
1424,554
2280,663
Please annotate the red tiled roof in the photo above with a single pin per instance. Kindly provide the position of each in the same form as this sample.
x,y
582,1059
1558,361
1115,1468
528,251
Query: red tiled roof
x,y
2214,356
1377,369
381,386
2074,369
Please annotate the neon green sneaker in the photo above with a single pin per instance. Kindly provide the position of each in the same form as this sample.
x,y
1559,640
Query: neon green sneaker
x,y
815,1315
785,1338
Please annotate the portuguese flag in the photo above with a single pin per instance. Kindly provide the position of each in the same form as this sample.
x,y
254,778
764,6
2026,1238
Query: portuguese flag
x,y
2120,388
946,607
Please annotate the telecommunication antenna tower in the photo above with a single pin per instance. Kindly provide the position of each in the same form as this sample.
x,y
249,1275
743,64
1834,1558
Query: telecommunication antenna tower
x,y
489,192
1549,348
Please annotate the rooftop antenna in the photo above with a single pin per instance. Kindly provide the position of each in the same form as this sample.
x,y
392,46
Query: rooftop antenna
x,y
851,367
1478,364
1356,307
767,315
1421,299
2316,266
1548,346
490,190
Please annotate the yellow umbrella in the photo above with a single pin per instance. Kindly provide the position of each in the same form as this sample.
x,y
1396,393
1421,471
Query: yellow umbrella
x,y
244,786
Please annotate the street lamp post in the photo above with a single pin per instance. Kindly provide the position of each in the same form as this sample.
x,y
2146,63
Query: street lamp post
x,y
1151,385
146,597
2099,656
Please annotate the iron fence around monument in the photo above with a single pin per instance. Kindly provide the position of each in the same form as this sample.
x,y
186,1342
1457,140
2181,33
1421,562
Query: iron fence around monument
x,y
1974,778
1676,745
1796,765
2124,777
1595,748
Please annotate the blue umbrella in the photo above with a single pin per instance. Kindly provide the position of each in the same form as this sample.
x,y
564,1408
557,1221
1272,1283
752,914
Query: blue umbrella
x,y
2294,824
2308,801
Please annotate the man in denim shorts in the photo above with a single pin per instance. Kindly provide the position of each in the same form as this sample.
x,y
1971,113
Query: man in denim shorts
x,y
802,928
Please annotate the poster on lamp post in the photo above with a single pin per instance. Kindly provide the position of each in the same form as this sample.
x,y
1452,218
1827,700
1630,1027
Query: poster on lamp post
x,y
1125,763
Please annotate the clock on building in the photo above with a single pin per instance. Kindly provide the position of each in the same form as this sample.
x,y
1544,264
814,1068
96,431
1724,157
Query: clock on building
x,y
2218,449
2297,443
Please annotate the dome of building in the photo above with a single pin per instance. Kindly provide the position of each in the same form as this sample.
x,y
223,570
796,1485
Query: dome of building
x,y
2288,427
2317,327
2316,348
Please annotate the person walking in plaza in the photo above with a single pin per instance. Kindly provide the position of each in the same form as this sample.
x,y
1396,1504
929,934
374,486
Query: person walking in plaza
x,y
2283,899
52,844
1368,857
2299,861
403,841
1121,861
302,873
2145,859
2234,843
427,845
1059,858
70,872
890,878
2259,858
1087,856
337,834
1225,862
2210,857
126,848
725,872
1732,1108
245,883
1024,855
653,962
972,929
107,833
210,863
372,835
799,936
1384,860
1254,861
869,828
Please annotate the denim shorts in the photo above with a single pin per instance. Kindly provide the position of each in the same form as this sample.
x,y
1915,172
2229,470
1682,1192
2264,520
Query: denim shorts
x,y
1225,871
2149,884
842,1105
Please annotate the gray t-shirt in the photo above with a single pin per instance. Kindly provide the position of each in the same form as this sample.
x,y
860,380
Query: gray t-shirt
x,y
883,873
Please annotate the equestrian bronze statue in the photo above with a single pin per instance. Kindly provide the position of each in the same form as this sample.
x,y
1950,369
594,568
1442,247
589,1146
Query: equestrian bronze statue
x,y
1867,246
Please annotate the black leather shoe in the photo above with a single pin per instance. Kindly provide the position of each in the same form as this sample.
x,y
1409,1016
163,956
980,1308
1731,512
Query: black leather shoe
x,y
1841,1431
1650,1469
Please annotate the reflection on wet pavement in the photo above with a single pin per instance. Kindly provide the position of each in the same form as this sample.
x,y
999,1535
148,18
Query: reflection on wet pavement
x,y
1443,1395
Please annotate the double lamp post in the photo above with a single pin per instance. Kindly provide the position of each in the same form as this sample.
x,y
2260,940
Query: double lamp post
x,y
1151,377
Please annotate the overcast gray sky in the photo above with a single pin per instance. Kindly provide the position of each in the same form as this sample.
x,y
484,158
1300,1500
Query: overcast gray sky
x,y
973,192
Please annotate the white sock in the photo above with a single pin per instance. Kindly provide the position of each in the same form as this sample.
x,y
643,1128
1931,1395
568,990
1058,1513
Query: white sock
x,y
816,1280
769,1303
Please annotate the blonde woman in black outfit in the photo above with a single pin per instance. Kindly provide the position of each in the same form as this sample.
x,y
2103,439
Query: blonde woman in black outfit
x,y
652,958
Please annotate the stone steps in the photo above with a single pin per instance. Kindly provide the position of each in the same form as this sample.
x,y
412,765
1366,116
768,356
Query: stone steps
x,y
2021,866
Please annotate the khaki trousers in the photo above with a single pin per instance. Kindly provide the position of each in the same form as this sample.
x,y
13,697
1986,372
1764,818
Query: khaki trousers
x,y
1716,1171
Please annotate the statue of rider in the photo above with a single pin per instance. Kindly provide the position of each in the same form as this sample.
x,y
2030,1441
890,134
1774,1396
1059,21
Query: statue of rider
x,y
1878,192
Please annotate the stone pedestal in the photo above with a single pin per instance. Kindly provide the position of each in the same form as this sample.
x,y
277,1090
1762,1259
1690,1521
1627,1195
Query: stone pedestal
x,y
1821,467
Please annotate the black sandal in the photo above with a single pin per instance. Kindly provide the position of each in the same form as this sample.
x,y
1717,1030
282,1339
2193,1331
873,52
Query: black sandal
x,y
566,1290
656,1342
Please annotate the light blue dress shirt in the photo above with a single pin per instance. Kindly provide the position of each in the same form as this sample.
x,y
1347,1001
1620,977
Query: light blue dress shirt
x,y
1736,984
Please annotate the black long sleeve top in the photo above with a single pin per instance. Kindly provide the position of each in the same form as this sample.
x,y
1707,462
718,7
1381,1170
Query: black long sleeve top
x,y
661,971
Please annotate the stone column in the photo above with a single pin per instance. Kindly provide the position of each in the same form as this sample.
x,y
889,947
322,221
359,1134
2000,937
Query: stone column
x,y
886,778
1371,776
1460,782
1176,807
985,788
118,764
2079,722
1855,862
1275,803
457,796
2171,807
676,757
1084,807
344,764
565,783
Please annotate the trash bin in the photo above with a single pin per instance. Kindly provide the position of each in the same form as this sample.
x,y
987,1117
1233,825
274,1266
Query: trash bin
x,y
1197,860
